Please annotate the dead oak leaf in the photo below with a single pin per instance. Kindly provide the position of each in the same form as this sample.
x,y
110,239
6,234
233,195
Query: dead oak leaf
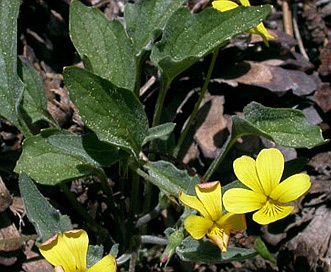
x,y
273,78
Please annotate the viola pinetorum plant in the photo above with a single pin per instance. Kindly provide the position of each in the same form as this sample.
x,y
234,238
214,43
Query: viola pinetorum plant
x,y
116,152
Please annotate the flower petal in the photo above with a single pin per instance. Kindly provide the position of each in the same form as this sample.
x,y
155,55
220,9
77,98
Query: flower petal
x,y
240,200
263,32
197,226
231,221
271,212
77,242
194,203
224,5
210,196
219,237
269,166
245,170
291,188
245,3
57,253
106,264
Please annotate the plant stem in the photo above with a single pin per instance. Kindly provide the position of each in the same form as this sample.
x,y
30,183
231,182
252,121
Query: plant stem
x,y
150,239
217,161
197,104
134,204
165,83
111,203
149,216
138,74
133,261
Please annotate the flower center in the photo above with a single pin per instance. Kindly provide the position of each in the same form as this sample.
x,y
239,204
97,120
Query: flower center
x,y
272,207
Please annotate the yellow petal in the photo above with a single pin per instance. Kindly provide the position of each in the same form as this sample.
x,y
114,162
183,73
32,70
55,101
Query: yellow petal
x,y
77,242
197,226
269,166
194,203
231,221
210,196
271,212
245,3
263,32
106,264
291,188
245,170
57,253
224,5
218,236
240,200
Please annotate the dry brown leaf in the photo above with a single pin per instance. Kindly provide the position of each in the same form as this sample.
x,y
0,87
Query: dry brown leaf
x,y
325,57
275,79
323,97
210,123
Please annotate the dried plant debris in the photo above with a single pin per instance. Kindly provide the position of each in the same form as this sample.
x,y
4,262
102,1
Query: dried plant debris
x,y
273,78
325,57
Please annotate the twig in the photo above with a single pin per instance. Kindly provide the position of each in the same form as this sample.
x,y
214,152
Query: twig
x,y
297,33
287,18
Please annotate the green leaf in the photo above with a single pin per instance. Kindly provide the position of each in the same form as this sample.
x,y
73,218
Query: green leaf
x,y
175,238
54,156
262,249
11,87
34,101
170,179
189,37
159,132
46,220
145,19
286,127
94,254
203,251
115,115
105,43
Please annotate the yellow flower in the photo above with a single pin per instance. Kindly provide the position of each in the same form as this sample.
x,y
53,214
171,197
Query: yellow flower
x,y
225,5
67,253
267,194
212,222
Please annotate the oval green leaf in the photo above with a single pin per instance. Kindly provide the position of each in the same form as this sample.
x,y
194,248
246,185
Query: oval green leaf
x,y
54,156
159,132
170,179
286,127
203,251
45,218
105,43
144,20
11,87
115,115
188,37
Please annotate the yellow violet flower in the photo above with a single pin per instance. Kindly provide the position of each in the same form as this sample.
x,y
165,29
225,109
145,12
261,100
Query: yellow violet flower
x,y
211,222
225,5
267,194
68,252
